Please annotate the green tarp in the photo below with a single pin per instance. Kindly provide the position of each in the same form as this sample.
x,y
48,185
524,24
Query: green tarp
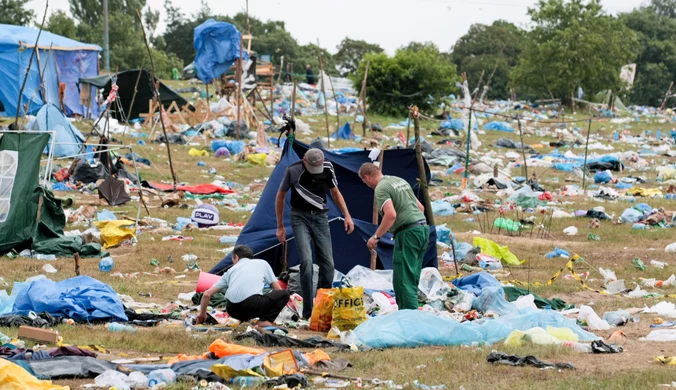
x,y
25,225
512,293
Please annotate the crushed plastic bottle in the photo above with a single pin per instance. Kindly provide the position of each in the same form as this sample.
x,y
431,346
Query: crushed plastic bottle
x,y
117,327
40,256
158,377
247,381
106,264
638,264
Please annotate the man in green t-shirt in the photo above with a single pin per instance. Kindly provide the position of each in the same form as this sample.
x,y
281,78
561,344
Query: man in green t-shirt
x,y
402,215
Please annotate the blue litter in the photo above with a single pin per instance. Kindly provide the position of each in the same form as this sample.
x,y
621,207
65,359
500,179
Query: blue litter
x,y
493,299
235,147
475,283
442,208
106,215
60,186
557,252
81,298
452,124
499,126
603,177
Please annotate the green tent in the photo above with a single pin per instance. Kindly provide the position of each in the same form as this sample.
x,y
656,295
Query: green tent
x,y
30,215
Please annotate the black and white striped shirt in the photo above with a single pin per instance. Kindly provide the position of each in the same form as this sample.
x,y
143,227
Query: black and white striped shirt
x,y
308,191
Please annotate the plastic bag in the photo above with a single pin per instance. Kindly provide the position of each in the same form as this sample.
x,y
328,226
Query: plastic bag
x,y
112,378
536,336
493,299
348,308
256,158
198,153
322,311
14,377
525,301
616,318
113,233
369,279
671,248
221,349
466,303
432,286
631,215
499,252
594,322
442,208
563,334
603,177
385,303
608,274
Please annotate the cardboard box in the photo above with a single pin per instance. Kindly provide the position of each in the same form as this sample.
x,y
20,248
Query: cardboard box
x,y
46,335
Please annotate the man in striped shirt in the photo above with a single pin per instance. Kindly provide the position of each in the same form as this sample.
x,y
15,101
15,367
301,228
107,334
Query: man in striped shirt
x,y
309,180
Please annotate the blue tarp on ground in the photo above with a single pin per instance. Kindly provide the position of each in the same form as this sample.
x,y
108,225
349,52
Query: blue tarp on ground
x,y
81,298
417,328
474,283
345,132
499,126
67,138
348,250
217,47
66,62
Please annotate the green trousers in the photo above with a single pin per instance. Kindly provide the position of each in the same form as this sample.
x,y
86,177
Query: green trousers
x,y
410,246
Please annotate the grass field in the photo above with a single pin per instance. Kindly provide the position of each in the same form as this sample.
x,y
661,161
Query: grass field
x,y
456,367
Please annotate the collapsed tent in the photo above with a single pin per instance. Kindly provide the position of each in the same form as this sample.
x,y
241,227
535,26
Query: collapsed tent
x,y
30,215
60,61
67,138
217,45
348,250
140,95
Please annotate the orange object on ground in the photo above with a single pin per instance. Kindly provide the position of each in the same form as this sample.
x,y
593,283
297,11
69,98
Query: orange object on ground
x,y
322,312
315,356
222,349
184,358
280,363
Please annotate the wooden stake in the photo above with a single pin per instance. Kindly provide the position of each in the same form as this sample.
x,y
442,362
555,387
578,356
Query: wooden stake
x,y
76,257
157,95
361,96
666,96
478,87
429,214
293,100
408,129
133,97
239,86
335,97
326,106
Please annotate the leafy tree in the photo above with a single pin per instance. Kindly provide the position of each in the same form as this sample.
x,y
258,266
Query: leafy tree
x,y
309,55
656,62
664,7
62,24
150,20
412,76
574,43
485,48
127,49
91,11
350,53
15,12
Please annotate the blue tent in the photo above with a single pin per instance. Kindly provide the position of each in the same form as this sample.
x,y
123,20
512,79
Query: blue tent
x,y
66,62
345,132
348,250
67,139
217,47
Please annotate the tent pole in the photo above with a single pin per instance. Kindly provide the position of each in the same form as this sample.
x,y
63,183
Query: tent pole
x,y
408,129
429,214
133,97
335,97
465,179
159,101
140,188
523,150
326,106
293,101
238,83
30,63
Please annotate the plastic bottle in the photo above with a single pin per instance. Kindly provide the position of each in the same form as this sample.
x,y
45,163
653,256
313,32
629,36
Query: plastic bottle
x,y
158,377
106,264
639,226
45,257
579,347
116,327
247,381
490,264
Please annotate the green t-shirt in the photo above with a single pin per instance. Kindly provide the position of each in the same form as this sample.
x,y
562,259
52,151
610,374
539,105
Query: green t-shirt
x,y
400,193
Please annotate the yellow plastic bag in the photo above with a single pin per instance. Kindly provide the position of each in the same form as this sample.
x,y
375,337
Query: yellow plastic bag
x,y
348,308
537,336
198,153
280,363
499,252
14,377
322,311
227,372
257,158
114,232
563,334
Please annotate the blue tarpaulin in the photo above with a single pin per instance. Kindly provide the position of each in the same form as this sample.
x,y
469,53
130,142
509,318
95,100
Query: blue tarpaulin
x,y
345,132
453,124
66,62
348,250
474,283
81,298
499,126
217,47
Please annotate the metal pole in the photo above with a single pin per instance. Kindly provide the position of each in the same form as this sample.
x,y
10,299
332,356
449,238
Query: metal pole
x,y
465,179
584,167
106,43
326,101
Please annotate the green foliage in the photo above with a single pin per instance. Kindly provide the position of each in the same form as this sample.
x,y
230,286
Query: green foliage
x,y
61,24
574,43
415,73
656,62
15,12
350,53
127,49
485,48
664,7
91,11
309,55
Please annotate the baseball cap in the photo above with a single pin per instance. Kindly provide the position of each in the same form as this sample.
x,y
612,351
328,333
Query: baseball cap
x,y
314,161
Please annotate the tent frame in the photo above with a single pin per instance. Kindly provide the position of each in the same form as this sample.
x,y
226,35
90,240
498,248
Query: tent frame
x,y
50,156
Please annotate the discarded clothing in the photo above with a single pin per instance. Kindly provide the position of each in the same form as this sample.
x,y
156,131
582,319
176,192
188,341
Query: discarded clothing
x,y
176,139
71,367
275,340
202,189
332,365
81,298
217,300
512,293
43,320
598,346
509,144
71,350
530,360
597,214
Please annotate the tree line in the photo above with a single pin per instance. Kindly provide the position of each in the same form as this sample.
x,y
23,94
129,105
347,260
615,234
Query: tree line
x,y
568,45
